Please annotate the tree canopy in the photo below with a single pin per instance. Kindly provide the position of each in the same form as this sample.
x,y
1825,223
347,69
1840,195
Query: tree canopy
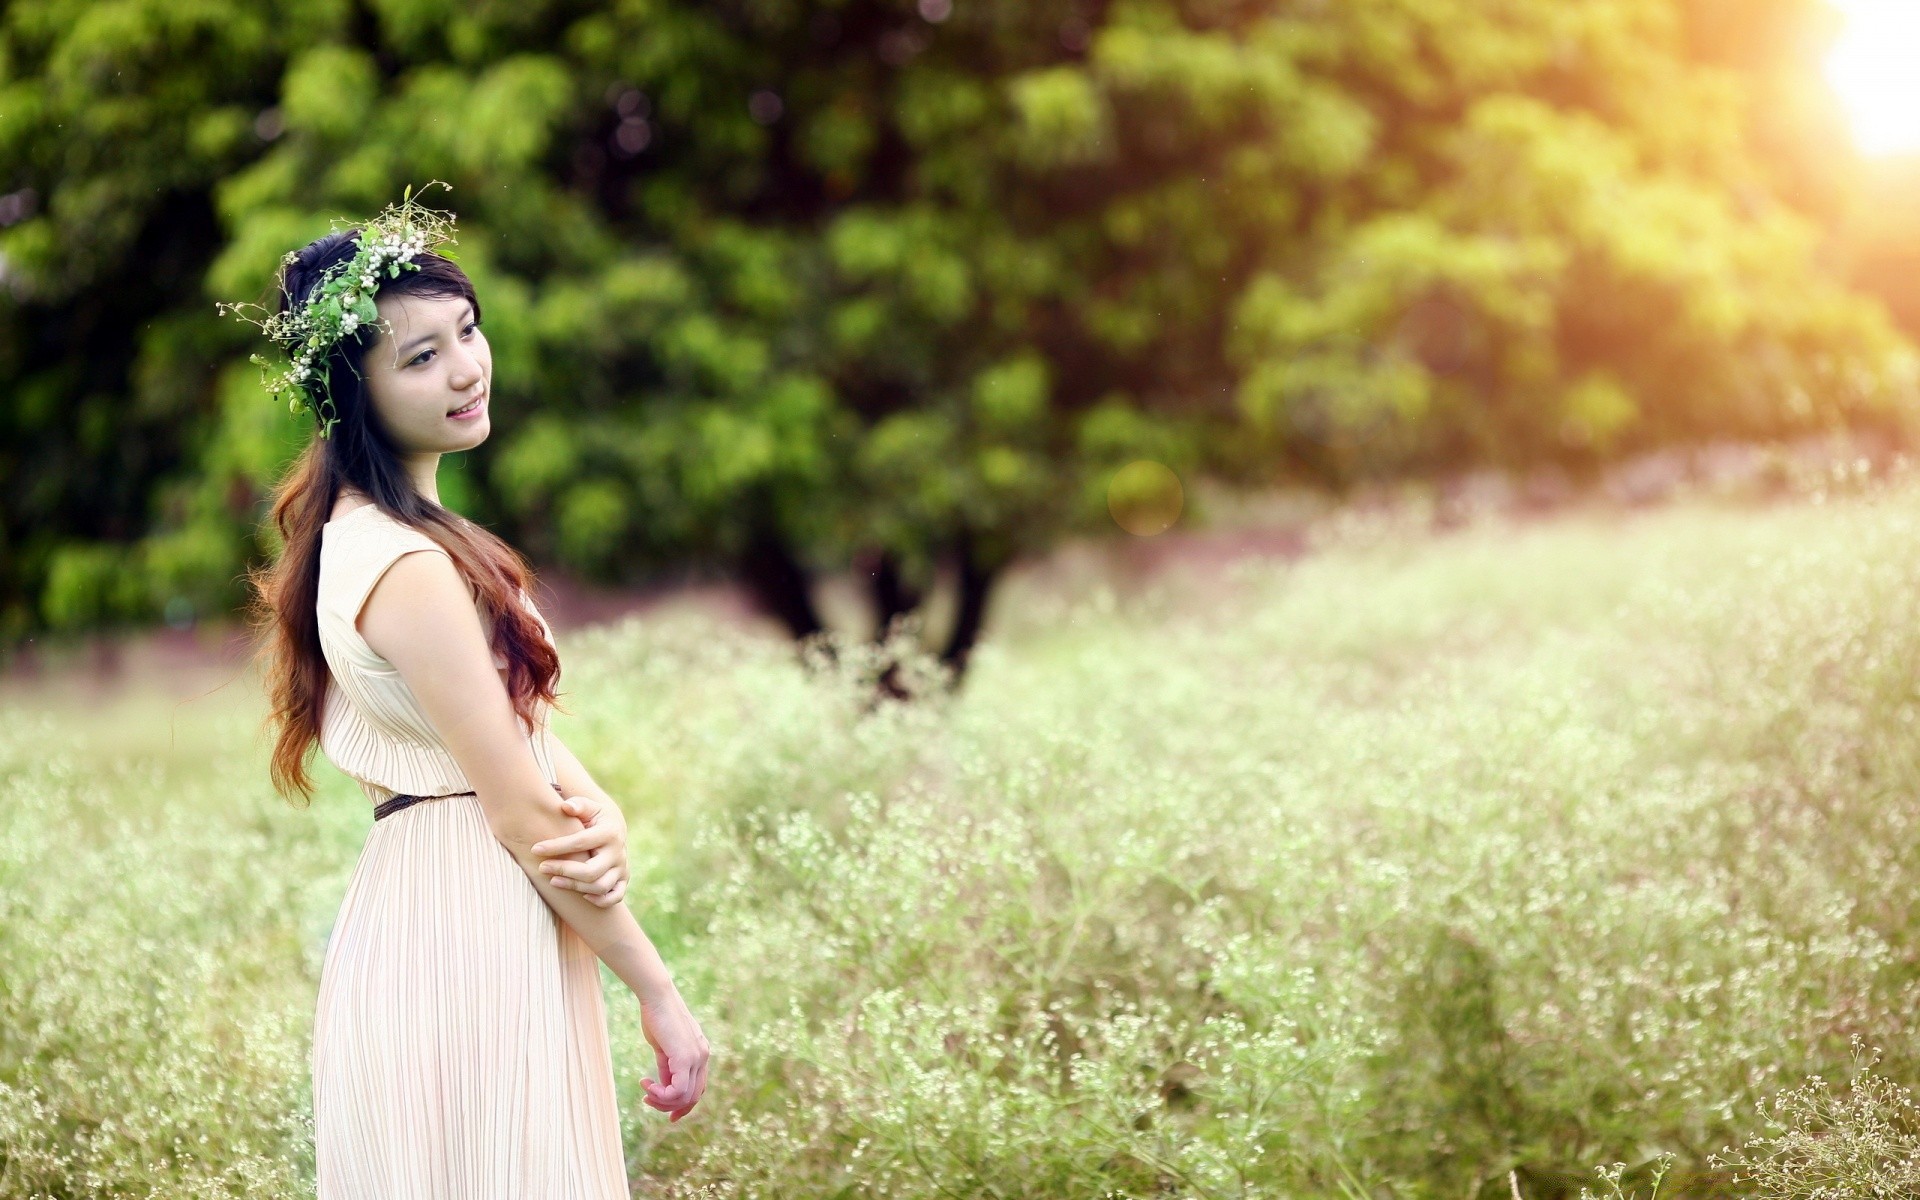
x,y
781,286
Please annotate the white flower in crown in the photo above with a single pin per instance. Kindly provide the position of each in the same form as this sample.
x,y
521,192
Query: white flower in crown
x,y
342,300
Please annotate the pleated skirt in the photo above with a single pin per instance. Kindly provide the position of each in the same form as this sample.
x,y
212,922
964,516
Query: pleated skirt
x,y
460,1045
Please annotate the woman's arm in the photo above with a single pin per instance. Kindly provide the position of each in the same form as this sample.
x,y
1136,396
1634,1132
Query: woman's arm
x,y
592,861
574,779
420,617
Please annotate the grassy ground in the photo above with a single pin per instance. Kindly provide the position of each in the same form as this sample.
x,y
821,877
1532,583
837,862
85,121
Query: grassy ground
x,y
1417,866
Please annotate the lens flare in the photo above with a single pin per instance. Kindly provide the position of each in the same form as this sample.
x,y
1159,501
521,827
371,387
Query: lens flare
x,y
1871,68
1144,497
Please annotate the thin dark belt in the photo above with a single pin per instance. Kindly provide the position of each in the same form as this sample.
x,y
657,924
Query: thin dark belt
x,y
394,804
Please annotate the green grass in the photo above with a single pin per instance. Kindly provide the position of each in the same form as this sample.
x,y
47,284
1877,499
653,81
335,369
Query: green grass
x,y
1419,867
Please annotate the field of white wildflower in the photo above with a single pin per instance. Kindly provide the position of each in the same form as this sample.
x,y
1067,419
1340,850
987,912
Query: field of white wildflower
x,y
1523,860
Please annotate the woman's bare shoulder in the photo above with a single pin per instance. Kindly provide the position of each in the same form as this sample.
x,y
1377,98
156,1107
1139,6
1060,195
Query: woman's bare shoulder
x,y
414,597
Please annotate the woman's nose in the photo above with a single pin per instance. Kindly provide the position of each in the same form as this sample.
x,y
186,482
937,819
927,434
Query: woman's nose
x,y
466,372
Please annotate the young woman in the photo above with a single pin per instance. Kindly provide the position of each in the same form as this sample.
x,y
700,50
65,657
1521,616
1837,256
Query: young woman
x,y
460,1048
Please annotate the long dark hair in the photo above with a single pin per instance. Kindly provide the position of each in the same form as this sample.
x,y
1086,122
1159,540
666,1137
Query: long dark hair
x,y
358,453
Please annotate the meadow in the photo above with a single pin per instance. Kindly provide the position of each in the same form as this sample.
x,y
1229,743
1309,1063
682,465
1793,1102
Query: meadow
x,y
1528,859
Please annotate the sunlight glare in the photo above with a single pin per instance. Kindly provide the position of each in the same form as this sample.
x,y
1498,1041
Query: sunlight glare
x,y
1872,69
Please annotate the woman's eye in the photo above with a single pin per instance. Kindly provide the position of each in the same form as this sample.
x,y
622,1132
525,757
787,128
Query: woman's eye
x,y
471,326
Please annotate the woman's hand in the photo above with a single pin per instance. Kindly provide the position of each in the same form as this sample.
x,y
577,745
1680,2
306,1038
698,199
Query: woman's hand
x,y
680,1053
591,861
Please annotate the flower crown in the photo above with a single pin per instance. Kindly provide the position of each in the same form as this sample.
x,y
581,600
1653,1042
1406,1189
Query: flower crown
x,y
343,300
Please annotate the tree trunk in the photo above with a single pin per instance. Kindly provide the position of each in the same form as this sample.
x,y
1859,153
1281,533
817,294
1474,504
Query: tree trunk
x,y
779,582
892,594
976,584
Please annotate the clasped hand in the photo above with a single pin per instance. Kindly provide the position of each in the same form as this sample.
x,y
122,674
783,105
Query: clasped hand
x,y
591,861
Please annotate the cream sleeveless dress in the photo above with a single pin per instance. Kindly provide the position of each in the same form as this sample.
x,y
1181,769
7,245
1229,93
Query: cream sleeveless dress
x,y
460,1046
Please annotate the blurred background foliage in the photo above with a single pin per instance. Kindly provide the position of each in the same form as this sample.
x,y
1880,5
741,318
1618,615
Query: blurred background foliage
x,y
777,288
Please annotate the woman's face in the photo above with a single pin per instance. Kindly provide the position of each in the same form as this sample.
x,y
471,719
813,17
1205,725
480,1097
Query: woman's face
x,y
433,363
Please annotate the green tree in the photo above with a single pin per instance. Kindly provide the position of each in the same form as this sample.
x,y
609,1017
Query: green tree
x,y
780,287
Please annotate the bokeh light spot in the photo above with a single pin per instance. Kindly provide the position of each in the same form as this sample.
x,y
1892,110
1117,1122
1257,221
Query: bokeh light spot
x,y
1144,497
632,136
765,107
